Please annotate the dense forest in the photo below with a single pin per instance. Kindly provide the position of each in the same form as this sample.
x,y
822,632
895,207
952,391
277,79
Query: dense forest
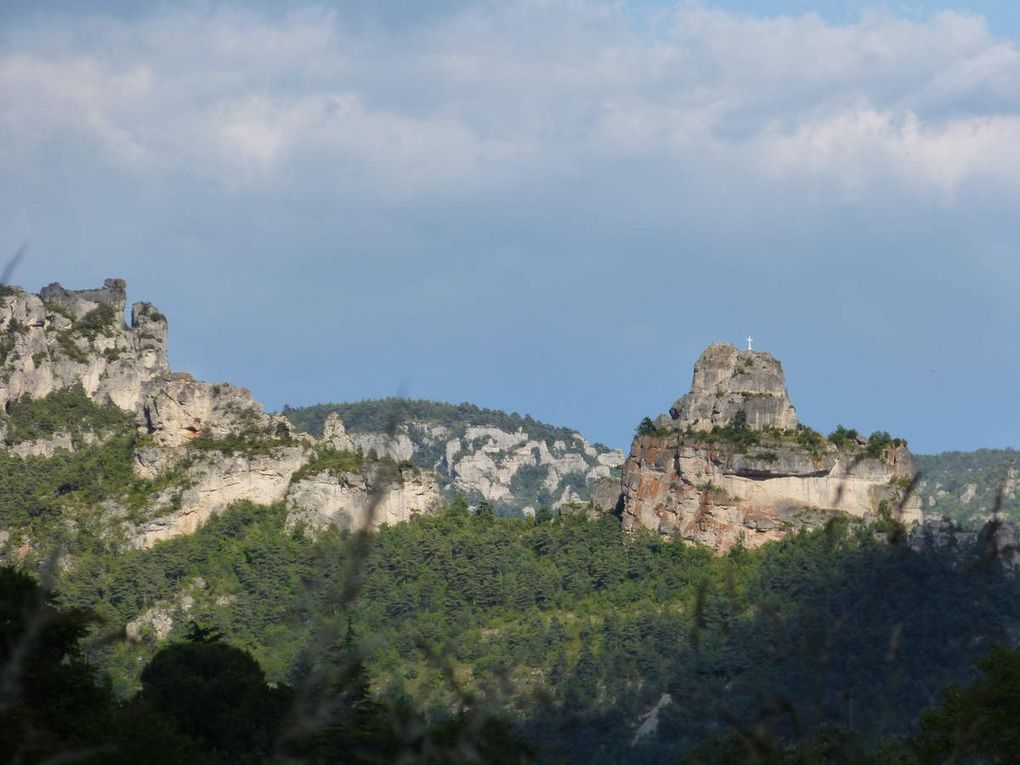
x,y
562,633
376,415
466,637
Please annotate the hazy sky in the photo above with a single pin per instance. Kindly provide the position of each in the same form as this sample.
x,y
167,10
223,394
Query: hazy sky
x,y
548,206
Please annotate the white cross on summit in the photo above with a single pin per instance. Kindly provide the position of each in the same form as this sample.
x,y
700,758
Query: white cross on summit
x,y
749,341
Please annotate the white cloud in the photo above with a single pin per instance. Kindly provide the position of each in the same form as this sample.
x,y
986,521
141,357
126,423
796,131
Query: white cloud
x,y
513,93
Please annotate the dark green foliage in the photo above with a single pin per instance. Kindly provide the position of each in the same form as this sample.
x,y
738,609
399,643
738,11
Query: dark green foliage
x,y
51,702
527,484
149,311
217,696
376,416
36,491
334,462
66,342
69,411
739,424
809,439
100,320
847,439
645,428
584,627
249,443
878,442
980,723
844,438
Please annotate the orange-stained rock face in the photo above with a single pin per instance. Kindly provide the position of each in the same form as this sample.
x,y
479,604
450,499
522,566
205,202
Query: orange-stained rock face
x,y
717,494
730,463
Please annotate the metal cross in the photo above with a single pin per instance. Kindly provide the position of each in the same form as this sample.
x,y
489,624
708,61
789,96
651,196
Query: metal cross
x,y
749,341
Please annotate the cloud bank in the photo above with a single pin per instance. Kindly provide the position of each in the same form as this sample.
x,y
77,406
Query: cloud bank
x,y
555,152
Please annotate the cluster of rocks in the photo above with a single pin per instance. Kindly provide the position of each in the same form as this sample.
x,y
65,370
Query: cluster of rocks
x,y
61,338
486,462
692,478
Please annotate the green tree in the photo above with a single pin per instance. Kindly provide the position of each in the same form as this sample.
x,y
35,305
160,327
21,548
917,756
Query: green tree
x,y
980,723
646,427
216,695
52,705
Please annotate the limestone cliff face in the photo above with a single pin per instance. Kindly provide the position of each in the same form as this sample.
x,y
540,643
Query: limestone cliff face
x,y
353,501
212,442
60,338
727,381
715,476
714,494
516,468
213,482
180,408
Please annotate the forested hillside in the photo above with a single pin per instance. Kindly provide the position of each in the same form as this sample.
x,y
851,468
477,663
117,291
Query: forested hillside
x,y
569,629
966,486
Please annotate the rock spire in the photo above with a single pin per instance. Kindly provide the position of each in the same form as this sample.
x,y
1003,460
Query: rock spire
x,y
728,381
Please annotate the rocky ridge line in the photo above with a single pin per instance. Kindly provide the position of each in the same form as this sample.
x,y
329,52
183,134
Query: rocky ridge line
x,y
214,439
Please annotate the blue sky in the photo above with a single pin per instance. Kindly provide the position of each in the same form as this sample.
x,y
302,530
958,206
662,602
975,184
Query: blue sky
x,y
548,206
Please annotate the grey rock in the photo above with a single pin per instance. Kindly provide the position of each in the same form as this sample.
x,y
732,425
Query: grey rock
x,y
720,492
360,502
179,408
49,350
335,434
728,381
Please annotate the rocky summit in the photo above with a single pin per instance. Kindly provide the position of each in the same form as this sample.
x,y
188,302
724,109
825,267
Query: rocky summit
x,y
195,447
731,465
728,382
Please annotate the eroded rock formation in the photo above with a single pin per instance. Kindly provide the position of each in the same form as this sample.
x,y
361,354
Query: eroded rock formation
x,y
728,381
731,464
60,338
219,442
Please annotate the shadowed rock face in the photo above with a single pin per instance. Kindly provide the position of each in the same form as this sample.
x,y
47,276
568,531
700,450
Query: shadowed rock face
x,y
718,490
728,381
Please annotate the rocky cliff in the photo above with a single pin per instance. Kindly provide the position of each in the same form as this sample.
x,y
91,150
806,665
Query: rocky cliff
x,y
730,463
729,382
60,338
517,463
195,447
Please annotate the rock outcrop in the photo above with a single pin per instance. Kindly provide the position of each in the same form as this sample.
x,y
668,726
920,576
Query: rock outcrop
x,y
730,464
355,501
212,482
514,462
728,381
209,445
60,338
335,435
180,409
498,466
